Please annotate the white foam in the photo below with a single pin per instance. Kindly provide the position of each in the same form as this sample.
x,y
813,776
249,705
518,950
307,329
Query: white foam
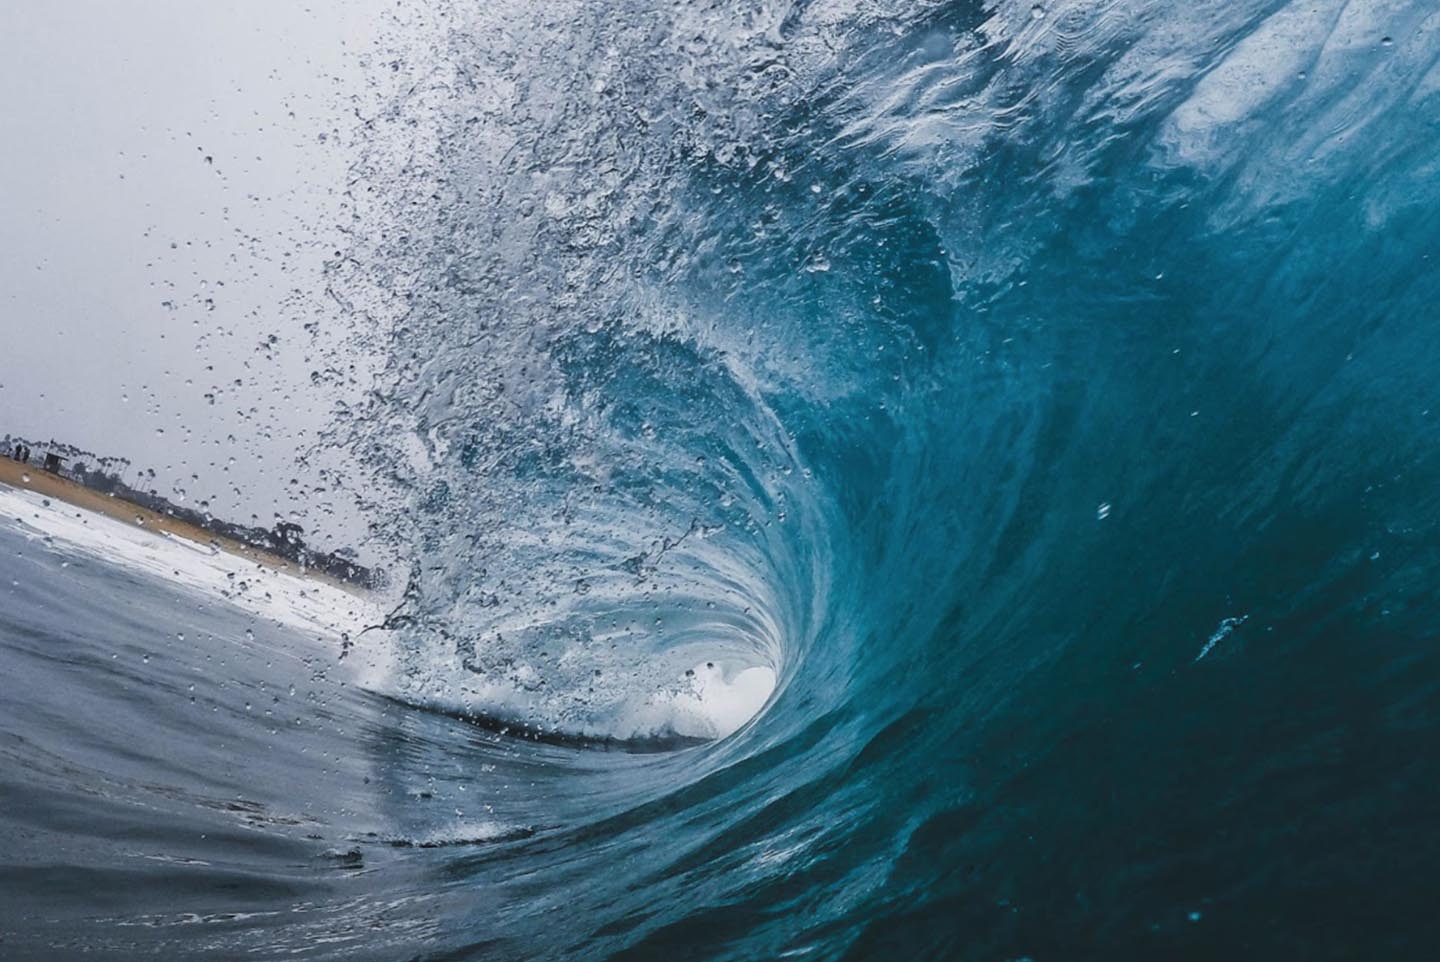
x,y
714,705
464,833
280,596
712,701
709,702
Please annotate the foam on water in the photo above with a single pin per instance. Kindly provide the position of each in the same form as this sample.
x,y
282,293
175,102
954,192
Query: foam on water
x,y
709,701
1002,432
285,598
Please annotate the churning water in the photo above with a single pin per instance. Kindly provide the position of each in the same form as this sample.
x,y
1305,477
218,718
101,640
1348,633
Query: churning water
x,y
875,481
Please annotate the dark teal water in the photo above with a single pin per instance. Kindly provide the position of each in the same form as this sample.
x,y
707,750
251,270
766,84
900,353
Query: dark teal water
x,y
1045,393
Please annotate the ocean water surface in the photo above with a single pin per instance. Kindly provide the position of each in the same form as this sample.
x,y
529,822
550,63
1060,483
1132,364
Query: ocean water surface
x,y
865,480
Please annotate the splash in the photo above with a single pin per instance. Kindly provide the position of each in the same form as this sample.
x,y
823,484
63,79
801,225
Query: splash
x,y
698,314
862,413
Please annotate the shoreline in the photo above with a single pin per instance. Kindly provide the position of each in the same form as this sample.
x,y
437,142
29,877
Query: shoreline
x,y
30,477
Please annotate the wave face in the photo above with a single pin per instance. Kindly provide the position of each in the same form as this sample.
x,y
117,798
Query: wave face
x,y
899,480
1040,393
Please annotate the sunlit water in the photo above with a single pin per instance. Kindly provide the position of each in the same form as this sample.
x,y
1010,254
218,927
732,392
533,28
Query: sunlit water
x,y
915,481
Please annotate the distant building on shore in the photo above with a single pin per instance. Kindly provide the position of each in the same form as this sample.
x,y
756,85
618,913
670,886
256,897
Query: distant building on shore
x,y
285,540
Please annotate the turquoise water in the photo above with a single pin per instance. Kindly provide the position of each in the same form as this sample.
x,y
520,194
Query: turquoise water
x,y
1038,399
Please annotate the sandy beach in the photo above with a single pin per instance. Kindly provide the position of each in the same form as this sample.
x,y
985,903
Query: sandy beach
x,y
30,477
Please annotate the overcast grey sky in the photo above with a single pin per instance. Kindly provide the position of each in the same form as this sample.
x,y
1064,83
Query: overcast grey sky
x,y
169,174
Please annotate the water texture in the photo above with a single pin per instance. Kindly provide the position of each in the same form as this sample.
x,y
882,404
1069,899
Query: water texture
x,y
916,480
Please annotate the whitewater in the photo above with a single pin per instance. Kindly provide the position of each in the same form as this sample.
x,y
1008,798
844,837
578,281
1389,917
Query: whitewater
x,y
862,480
